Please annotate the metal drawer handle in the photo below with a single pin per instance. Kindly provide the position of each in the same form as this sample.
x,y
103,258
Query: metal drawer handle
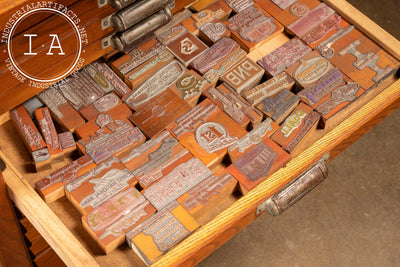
x,y
117,4
124,40
295,190
133,14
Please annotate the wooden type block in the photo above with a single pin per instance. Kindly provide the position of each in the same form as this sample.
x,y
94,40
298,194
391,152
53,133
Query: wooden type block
x,y
212,32
234,105
201,4
101,105
110,140
269,88
67,142
179,5
313,18
177,182
186,48
189,87
120,111
279,106
110,221
154,115
309,69
257,164
31,105
296,129
106,78
93,188
41,159
244,75
284,56
283,4
139,75
239,5
51,187
160,232
207,132
216,11
156,84
49,134
255,136
172,34
207,194
252,27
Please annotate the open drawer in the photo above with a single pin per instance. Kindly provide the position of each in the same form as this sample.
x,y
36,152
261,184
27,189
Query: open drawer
x,y
60,224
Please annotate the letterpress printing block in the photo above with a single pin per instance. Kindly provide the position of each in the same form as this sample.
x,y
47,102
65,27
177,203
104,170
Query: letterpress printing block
x,y
94,187
110,221
252,27
67,142
296,129
51,187
41,159
186,48
207,132
201,4
112,139
313,18
31,105
244,75
172,34
216,11
269,88
101,105
189,87
295,11
156,84
279,106
283,4
234,105
49,133
139,75
239,5
212,32
284,56
63,112
208,193
255,136
154,115
215,55
160,232
120,111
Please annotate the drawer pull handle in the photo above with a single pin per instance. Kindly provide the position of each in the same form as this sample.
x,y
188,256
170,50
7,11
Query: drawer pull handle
x,y
295,190
117,4
124,40
133,14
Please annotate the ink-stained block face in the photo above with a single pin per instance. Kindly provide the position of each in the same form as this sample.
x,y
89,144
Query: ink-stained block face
x,y
172,34
251,139
213,31
253,27
67,142
207,132
296,129
153,116
160,232
102,105
257,164
31,105
186,48
239,5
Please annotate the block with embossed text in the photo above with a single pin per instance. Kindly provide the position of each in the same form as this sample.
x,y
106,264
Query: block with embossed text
x,y
186,48
239,5
172,34
212,32
67,142
101,105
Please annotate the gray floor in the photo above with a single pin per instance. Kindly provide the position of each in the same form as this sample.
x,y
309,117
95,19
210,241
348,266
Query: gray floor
x,y
352,218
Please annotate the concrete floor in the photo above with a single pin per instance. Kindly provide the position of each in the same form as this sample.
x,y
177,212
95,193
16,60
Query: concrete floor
x,y
352,218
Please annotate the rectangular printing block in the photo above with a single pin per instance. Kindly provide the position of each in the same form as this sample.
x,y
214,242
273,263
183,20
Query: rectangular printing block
x,y
67,142
214,31
102,105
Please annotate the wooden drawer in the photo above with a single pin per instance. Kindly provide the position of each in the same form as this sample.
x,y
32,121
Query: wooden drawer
x,y
60,225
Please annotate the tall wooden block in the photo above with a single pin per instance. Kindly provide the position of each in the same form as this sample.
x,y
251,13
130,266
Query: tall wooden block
x,y
257,164
212,32
67,142
101,105
186,48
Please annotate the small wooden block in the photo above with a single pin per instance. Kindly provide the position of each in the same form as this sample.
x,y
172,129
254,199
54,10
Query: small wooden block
x,y
252,27
98,185
244,75
120,111
201,4
61,110
214,31
41,159
172,34
153,116
160,232
186,48
279,106
216,11
139,75
208,193
283,4
31,105
269,88
207,132
234,105
101,105
67,142
284,56
51,187
111,140
239,5
255,136
110,221
50,135
257,164
295,11
296,129
157,83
